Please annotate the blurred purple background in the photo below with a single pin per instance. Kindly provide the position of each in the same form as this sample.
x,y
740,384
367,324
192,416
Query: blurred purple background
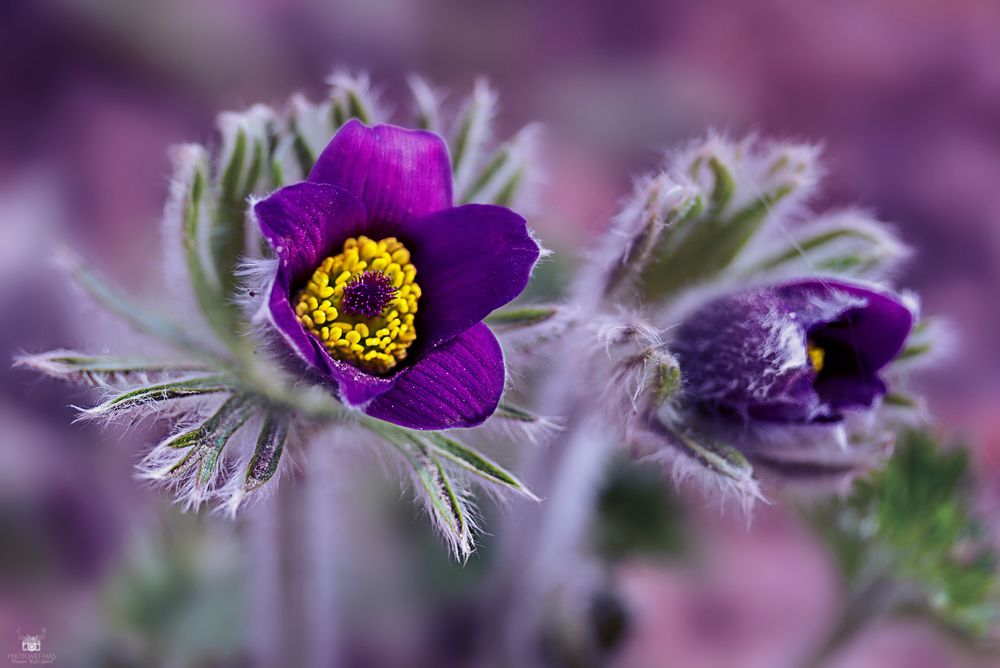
x,y
904,95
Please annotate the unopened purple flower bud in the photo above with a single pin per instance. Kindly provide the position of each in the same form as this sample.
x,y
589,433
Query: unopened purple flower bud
x,y
800,352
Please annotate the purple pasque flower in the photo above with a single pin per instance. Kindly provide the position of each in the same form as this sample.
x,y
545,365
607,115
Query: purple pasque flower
x,y
805,351
382,284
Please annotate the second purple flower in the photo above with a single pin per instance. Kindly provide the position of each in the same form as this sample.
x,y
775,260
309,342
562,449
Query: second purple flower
x,y
805,351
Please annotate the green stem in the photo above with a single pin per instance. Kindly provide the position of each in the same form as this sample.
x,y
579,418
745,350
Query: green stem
x,y
861,609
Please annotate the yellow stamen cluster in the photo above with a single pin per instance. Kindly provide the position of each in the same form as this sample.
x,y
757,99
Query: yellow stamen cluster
x,y
816,356
374,344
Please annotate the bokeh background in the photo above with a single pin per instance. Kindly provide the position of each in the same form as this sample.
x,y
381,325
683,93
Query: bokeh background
x,y
903,94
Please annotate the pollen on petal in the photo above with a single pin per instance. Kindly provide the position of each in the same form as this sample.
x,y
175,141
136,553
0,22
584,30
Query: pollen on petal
x,y
361,303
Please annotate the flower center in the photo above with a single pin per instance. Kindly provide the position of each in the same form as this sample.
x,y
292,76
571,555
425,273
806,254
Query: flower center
x,y
360,303
368,294
816,356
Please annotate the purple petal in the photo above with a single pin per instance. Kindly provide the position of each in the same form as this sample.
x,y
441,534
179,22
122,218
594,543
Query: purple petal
x,y
455,385
745,354
398,174
876,331
470,261
305,222
845,392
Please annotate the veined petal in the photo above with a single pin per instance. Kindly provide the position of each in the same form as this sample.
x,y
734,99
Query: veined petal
x,y
457,384
470,261
400,175
305,221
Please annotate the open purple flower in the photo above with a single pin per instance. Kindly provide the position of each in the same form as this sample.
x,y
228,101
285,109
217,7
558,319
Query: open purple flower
x,y
382,284
799,352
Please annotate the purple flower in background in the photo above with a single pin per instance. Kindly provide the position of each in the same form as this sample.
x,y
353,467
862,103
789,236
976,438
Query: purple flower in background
x,y
382,284
800,352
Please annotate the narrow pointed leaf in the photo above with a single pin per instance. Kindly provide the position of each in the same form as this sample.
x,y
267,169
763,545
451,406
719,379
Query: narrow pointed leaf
x,y
668,206
711,246
169,391
517,318
207,441
846,243
205,281
134,313
227,231
722,466
445,505
267,455
246,138
352,96
508,412
493,167
477,463
724,186
427,105
103,369
471,133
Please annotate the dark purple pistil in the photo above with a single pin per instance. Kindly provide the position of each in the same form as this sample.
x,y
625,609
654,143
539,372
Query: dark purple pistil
x,y
368,294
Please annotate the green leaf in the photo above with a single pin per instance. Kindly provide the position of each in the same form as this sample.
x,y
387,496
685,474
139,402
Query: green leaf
x,y
847,242
207,441
928,336
526,316
447,507
494,166
169,391
303,153
227,233
506,411
351,96
719,458
358,108
427,104
724,186
666,379
710,462
101,370
471,460
267,454
134,313
899,400
910,529
668,208
710,246
204,279
508,191
472,131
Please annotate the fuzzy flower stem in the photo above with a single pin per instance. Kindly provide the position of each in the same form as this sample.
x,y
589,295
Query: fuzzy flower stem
x,y
567,474
860,610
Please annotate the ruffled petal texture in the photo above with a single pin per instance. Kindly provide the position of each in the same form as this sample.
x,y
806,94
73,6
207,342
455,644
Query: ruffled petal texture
x,y
748,355
385,181
400,175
